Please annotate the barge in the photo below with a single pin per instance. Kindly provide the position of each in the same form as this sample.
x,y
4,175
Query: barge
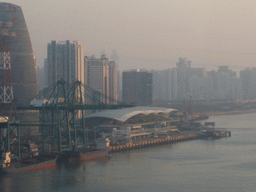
x,y
211,132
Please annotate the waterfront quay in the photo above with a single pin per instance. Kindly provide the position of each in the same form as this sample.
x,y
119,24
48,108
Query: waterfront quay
x,y
137,144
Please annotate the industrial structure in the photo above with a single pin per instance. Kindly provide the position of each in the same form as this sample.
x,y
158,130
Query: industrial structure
x,y
18,78
6,89
22,59
58,117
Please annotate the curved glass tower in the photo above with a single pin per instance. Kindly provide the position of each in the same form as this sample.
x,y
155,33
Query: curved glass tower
x,y
22,59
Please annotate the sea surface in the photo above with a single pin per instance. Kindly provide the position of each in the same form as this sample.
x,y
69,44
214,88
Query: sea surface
x,y
227,164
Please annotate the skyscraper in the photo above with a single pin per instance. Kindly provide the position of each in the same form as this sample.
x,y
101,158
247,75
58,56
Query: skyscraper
x,y
65,61
183,69
113,81
22,59
102,77
98,76
248,80
161,85
173,84
119,86
226,83
137,87
41,78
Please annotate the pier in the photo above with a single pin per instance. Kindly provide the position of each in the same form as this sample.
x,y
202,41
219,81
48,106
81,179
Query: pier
x,y
143,144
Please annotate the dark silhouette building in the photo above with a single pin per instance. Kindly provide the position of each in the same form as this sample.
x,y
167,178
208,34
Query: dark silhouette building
x,y
22,59
137,87
19,52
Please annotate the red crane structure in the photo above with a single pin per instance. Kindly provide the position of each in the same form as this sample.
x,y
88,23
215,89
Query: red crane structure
x,y
6,89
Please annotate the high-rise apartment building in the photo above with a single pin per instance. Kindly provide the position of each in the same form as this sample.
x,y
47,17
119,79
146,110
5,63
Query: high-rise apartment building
x,y
45,72
188,82
41,78
114,56
238,89
183,69
119,86
226,83
22,59
248,81
102,77
212,85
65,61
197,83
173,84
161,85
113,82
98,76
137,87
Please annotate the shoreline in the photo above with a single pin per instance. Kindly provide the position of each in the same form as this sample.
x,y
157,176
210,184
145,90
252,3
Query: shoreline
x,y
222,113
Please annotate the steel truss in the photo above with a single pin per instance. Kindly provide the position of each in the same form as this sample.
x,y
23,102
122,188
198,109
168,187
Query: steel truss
x,y
61,115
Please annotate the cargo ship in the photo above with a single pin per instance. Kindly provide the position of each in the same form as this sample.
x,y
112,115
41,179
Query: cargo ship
x,y
8,165
28,160
87,154
81,155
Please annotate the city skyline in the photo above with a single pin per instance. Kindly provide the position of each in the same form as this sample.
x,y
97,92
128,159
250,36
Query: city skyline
x,y
182,81
211,34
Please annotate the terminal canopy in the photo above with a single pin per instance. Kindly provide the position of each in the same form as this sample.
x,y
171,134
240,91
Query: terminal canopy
x,y
125,115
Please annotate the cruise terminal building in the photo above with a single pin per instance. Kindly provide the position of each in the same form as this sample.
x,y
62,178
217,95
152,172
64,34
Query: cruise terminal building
x,y
134,118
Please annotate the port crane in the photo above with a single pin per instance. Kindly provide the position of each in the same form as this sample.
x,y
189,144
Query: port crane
x,y
59,112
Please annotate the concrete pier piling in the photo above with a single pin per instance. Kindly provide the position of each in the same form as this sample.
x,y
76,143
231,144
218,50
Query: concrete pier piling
x,y
143,144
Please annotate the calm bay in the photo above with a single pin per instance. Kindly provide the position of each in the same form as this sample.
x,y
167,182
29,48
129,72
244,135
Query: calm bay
x,y
227,164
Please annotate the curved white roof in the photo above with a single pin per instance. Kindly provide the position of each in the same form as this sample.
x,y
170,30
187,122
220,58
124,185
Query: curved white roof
x,y
126,113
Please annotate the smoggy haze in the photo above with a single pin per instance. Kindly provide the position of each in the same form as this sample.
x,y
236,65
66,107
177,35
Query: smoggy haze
x,y
148,33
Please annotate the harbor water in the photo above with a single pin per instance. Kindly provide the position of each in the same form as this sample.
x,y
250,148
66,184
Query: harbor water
x,y
227,164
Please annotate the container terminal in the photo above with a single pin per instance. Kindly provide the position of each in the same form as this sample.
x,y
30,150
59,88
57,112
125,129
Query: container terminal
x,y
68,131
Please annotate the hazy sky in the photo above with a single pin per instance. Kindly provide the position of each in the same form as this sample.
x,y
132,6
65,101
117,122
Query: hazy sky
x,y
149,34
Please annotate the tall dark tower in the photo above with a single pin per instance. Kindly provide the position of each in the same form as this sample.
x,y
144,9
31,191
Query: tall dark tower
x,y
22,59
137,87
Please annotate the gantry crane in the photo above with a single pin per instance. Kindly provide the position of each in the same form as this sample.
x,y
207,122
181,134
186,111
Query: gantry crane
x,y
61,108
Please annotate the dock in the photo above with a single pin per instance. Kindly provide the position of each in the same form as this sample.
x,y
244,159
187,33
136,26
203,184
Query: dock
x,y
143,144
